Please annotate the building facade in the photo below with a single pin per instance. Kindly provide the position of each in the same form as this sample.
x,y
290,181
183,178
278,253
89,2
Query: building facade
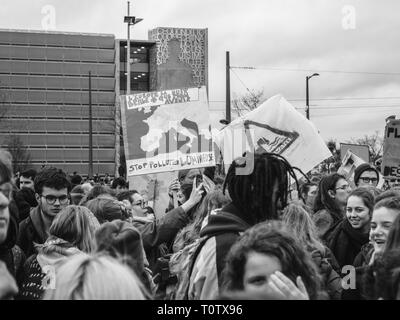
x,y
44,87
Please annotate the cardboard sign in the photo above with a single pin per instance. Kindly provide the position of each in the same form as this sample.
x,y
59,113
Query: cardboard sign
x,y
166,131
391,150
360,150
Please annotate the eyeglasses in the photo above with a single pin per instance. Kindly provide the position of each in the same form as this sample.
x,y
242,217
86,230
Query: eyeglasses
x,y
50,199
368,180
344,187
141,203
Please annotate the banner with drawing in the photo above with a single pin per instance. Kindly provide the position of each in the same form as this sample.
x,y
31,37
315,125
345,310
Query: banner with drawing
x,y
166,130
275,126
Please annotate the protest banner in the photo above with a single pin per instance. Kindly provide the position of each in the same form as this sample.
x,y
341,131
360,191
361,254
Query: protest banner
x,y
360,150
166,131
391,150
349,164
275,126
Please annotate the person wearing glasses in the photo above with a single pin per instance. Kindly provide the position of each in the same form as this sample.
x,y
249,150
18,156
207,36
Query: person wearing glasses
x,y
366,175
52,189
330,203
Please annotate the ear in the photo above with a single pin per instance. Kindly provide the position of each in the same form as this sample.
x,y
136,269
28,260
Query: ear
x,y
37,196
331,194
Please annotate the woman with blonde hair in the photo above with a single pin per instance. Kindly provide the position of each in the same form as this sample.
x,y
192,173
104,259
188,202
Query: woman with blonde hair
x,y
71,233
95,277
302,227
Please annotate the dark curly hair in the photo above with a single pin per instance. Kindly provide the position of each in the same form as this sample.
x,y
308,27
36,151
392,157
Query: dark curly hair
x,y
51,178
253,193
271,238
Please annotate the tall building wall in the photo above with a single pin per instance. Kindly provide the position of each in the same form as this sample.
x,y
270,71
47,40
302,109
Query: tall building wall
x,y
179,59
44,79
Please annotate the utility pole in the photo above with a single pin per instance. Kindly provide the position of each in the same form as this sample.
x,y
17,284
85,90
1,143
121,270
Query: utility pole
x,y
90,128
307,99
128,58
228,90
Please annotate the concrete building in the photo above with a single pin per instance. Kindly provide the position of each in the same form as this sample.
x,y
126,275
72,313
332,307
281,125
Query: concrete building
x,y
44,82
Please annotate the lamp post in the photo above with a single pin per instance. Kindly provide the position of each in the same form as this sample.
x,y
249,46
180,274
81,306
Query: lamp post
x,y
130,20
307,102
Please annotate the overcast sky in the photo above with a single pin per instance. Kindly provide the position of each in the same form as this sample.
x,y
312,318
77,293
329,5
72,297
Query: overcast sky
x,y
361,38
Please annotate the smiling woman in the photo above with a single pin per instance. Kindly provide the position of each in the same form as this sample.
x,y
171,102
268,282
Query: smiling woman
x,y
352,233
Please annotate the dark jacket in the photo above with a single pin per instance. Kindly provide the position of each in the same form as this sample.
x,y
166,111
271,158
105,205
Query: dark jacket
x,y
31,230
161,231
223,229
346,242
25,201
11,254
325,222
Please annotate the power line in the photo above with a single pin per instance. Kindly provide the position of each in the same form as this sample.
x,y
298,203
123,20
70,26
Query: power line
x,y
313,70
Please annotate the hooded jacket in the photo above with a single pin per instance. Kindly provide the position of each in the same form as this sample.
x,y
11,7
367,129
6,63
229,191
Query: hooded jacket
x,y
32,230
223,229
51,254
346,242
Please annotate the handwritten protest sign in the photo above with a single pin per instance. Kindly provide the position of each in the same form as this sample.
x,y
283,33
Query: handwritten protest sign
x,y
166,130
391,150
349,164
275,126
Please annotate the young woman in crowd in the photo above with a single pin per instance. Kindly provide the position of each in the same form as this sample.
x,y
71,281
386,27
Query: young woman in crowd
x,y
308,191
302,228
95,277
270,263
106,209
353,232
71,233
330,203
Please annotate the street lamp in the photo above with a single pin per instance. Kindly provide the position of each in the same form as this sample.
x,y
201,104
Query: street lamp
x,y
308,107
130,20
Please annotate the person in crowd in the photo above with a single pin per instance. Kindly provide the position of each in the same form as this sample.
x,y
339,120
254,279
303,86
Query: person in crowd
x,y
365,175
136,204
87,186
393,184
52,189
256,197
353,232
25,200
123,241
329,204
77,194
107,209
95,277
71,232
187,235
96,191
387,194
76,180
119,184
269,262
300,225
26,179
308,192
381,281
10,254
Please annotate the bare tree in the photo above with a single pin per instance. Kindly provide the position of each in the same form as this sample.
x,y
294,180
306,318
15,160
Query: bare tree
x,y
248,102
374,143
20,154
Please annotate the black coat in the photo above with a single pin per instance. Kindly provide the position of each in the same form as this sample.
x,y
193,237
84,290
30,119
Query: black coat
x,y
345,243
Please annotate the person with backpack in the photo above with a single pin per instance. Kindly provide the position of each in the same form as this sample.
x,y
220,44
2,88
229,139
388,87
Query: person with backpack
x,y
256,197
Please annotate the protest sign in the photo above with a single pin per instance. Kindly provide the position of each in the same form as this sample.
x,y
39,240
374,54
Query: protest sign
x,y
275,126
391,150
360,150
166,130
349,164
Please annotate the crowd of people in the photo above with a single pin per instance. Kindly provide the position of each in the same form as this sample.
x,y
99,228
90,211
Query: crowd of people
x,y
265,235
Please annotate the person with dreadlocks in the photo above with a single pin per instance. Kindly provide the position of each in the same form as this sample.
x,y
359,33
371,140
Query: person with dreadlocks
x,y
255,197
